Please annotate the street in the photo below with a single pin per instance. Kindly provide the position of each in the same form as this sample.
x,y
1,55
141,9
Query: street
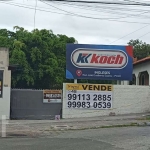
x,y
123,138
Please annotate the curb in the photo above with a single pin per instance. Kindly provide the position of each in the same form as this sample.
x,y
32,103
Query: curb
x,y
55,128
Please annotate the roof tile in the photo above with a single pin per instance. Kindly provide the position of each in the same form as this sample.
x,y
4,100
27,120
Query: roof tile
x,y
141,60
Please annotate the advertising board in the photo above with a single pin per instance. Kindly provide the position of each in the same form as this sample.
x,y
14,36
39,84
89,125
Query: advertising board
x,y
89,96
52,96
101,62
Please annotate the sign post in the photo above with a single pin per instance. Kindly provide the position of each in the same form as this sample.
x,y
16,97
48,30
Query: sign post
x,y
75,81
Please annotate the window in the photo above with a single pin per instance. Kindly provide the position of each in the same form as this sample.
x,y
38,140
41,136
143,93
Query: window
x,y
133,82
1,83
143,79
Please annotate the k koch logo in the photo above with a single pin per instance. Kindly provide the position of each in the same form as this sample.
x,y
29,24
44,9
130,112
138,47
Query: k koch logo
x,y
109,59
83,57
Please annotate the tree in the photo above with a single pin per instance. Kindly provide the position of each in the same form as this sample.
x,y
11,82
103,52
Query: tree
x,y
41,55
141,49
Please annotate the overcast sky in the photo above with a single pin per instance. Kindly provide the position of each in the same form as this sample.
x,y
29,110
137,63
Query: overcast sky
x,y
84,30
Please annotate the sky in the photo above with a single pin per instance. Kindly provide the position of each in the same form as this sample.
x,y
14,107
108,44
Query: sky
x,y
88,24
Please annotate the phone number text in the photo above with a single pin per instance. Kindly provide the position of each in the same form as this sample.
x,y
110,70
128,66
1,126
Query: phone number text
x,y
98,105
88,97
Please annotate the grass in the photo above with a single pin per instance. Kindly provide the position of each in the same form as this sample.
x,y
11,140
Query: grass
x,y
144,118
122,125
109,126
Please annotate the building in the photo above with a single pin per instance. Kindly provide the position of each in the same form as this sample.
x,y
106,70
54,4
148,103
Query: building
x,y
141,72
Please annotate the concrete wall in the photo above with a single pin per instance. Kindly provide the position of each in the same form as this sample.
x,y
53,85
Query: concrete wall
x,y
5,100
126,99
4,58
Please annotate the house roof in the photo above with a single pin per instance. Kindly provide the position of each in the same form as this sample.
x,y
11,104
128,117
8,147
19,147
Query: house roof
x,y
141,60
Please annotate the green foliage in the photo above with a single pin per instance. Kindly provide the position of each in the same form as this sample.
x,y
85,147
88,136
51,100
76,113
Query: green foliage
x,y
41,55
141,49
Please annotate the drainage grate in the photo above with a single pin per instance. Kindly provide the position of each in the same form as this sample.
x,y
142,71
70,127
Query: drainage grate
x,y
61,126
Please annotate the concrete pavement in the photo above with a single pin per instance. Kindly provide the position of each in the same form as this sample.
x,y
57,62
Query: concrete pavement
x,y
33,128
126,138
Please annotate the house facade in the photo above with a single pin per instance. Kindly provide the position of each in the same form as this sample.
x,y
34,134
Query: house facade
x,y
141,72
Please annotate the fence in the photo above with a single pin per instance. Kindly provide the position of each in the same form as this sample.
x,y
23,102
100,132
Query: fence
x,y
28,104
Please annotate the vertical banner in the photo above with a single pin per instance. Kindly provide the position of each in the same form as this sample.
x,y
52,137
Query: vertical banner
x,y
1,83
89,96
52,96
0,88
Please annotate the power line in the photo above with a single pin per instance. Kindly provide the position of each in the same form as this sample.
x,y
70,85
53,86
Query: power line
x,y
24,6
131,1
74,14
86,6
78,15
98,2
33,8
70,5
112,12
118,13
95,6
110,8
143,2
129,15
143,35
129,34
35,12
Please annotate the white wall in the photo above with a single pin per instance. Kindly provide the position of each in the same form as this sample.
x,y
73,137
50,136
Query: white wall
x,y
141,67
126,99
5,103
4,57
5,100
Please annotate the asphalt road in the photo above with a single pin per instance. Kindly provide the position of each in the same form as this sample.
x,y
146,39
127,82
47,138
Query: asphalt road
x,y
129,138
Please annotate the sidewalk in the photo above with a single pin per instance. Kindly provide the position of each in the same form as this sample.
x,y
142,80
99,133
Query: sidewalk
x,y
47,127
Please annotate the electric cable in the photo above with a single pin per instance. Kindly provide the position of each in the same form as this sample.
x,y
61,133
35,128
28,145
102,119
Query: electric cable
x,y
35,12
102,2
129,34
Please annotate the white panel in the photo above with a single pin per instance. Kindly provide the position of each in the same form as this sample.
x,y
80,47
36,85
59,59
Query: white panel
x,y
126,99
51,100
5,103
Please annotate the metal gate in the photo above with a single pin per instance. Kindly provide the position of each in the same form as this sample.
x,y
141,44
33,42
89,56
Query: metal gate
x,y
28,104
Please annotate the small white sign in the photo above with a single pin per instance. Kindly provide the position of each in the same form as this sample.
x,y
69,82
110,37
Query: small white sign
x,y
51,100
